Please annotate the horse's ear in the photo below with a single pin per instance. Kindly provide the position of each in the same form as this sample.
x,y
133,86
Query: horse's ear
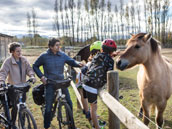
x,y
147,37
131,34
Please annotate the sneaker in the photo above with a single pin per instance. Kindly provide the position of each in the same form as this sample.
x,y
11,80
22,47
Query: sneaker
x,y
102,123
88,115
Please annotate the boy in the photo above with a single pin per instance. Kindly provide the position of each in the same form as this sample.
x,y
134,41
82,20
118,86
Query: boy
x,y
95,77
94,49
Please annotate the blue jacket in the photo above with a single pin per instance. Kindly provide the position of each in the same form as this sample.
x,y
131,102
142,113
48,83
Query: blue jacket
x,y
53,64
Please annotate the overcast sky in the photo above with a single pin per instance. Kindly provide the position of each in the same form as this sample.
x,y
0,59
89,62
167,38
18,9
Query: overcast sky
x,y
13,15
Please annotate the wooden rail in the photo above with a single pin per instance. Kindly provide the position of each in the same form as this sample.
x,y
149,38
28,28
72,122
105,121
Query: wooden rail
x,y
116,110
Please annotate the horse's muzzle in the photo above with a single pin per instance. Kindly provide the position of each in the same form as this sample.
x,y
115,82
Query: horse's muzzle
x,y
122,64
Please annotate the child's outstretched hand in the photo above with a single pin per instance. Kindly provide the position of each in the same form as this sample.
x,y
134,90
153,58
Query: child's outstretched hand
x,y
115,53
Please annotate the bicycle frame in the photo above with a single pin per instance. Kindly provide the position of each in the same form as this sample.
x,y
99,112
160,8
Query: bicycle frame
x,y
59,98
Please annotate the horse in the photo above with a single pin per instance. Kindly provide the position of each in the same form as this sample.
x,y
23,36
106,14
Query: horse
x,y
84,53
154,77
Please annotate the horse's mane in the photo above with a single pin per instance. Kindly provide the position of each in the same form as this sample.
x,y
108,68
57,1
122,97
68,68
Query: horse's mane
x,y
154,43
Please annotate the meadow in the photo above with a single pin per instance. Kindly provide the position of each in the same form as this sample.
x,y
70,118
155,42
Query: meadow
x,y
128,89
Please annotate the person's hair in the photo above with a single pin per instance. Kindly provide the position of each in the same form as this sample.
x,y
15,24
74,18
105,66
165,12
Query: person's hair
x,y
52,42
107,49
12,46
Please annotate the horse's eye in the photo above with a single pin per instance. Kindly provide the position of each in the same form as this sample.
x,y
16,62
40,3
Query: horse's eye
x,y
137,47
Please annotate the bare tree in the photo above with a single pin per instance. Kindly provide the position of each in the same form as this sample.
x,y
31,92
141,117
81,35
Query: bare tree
x,y
145,15
138,14
102,8
117,24
71,7
56,18
78,17
109,21
29,26
62,18
34,25
165,9
127,19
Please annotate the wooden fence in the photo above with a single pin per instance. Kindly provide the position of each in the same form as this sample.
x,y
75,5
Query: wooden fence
x,y
117,112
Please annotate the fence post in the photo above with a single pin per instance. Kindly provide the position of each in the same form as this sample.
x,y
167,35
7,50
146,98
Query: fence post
x,y
113,89
78,58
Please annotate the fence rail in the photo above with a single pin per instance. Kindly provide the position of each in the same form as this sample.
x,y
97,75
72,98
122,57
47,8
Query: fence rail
x,y
116,110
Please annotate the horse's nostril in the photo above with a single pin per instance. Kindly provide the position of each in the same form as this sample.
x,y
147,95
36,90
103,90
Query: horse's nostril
x,y
119,63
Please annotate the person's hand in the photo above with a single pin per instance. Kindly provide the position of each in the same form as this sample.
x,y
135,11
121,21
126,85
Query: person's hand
x,y
44,80
115,53
33,79
1,83
81,64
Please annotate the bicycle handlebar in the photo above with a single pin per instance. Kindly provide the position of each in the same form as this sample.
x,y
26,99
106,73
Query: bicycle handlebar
x,y
24,87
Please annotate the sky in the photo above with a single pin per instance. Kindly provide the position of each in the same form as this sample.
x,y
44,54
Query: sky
x,y
13,19
13,16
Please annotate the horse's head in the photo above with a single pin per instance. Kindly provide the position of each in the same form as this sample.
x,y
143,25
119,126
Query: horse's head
x,y
84,53
139,49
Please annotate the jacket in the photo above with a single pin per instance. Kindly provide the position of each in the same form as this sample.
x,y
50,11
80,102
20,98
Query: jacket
x,y
53,64
11,70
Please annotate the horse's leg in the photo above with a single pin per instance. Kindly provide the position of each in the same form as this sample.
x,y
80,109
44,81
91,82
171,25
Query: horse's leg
x,y
140,112
159,116
145,107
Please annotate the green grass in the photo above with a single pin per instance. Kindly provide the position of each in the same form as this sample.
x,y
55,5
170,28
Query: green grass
x,y
128,89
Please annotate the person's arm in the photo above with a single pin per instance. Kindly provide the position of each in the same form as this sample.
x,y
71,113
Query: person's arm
x,y
36,66
29,71
4,71
72,62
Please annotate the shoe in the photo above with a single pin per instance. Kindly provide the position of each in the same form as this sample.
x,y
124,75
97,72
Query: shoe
x,y
102,124
88,115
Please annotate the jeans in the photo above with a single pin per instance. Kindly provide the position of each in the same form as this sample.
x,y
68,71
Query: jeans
x,y
49,98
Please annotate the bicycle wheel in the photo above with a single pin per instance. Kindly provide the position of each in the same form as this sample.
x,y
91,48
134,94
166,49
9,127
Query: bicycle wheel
x,y
65,116
26,120
4,123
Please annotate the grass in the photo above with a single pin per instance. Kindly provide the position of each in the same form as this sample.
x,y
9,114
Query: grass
x,y
128,89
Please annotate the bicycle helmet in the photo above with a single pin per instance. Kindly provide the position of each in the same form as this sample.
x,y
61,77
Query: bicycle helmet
x,y
97,45
109,45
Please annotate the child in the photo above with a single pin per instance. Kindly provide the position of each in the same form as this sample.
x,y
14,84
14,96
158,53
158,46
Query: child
x,y
95,77
94,49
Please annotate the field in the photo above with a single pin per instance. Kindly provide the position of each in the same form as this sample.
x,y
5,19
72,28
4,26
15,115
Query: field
x,y
128,89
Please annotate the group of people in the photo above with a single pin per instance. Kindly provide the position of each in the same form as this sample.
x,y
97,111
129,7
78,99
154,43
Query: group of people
x,y
16,68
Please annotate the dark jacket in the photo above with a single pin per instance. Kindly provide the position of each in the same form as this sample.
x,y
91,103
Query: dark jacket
x,y
53,64
97,72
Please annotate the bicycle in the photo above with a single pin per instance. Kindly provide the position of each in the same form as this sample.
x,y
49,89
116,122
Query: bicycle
x,y
25,118
64,113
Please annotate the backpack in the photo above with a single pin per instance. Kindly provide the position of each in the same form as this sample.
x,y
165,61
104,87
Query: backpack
x,y
38,94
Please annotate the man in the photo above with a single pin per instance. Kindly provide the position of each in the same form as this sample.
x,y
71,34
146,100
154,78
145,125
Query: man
x,y
53,61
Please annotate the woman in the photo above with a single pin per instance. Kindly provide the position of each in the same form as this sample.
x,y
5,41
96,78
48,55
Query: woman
x,y
15,68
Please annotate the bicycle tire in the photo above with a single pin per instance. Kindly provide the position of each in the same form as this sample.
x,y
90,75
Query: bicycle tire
x,y
4,123
65,119
26,120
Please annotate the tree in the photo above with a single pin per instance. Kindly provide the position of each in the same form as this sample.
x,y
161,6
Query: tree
x,y
102,8
127,18
56,19
29,26
79,13
34,25
71,7
164,21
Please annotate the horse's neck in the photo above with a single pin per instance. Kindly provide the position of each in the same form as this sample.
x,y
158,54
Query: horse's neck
x,y
152,65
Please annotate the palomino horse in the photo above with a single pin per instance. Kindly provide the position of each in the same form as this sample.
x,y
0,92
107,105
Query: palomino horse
x,y
154,77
